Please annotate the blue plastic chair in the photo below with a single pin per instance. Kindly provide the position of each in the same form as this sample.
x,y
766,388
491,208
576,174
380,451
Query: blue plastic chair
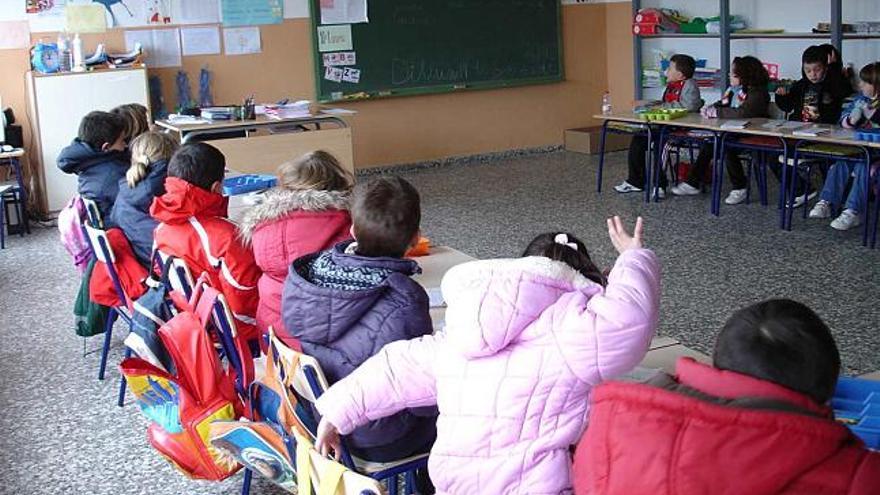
x,y
104,253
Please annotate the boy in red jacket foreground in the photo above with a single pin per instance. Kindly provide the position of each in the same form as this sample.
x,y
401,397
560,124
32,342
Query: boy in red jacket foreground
x,y
755,422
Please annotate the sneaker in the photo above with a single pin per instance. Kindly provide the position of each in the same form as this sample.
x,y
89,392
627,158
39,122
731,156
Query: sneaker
x,y
685,189
625,187
847,220
803,199
736,196
821,210
661,193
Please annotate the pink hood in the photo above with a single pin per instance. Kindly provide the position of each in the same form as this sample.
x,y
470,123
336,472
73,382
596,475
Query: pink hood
x,y
525,341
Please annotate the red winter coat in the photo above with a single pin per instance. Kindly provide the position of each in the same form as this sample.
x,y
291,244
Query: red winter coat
x,y
193,227
286,226
129,270
708,431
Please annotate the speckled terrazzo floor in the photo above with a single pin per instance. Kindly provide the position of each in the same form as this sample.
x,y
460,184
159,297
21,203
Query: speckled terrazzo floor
x,y
61,432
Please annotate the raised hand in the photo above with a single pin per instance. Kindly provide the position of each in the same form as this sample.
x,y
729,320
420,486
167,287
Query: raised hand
x,y
621,239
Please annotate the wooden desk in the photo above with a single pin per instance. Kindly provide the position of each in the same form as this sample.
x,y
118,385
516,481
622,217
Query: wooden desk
x,y
270,142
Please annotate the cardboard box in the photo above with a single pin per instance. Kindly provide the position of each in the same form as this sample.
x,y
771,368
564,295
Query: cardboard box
x,y
586,140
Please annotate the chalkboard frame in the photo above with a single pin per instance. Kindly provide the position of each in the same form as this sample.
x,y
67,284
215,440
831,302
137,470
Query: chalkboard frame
x,y
315,16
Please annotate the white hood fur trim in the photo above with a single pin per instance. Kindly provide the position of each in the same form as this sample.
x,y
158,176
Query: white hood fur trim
x,y
280,202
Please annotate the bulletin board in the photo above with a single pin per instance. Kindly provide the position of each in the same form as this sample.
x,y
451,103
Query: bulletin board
x,y
410,47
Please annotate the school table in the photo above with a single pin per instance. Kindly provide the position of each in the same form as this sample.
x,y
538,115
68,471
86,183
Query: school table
x,y
269,142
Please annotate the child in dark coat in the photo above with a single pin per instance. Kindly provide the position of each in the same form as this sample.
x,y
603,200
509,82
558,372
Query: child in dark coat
x,y
346,303
97,156
144,181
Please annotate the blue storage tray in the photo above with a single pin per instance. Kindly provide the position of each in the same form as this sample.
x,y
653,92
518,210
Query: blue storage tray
x,y
868,135
243,184
856,404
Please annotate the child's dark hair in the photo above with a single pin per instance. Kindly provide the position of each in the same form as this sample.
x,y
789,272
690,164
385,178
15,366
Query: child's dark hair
x,y
99,128
751,72
828,49
815,55
685,64
385,214
555,245
871,75
784,342
199,164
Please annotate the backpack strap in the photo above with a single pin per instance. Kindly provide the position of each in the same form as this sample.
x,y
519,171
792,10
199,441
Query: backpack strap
x,y
303,465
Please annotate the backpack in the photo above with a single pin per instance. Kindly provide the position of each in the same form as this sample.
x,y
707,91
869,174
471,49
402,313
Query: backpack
x,y
70,221
181,406
149,313
90,317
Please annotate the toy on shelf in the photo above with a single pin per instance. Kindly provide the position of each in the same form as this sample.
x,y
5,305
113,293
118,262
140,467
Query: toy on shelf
x,y
654,114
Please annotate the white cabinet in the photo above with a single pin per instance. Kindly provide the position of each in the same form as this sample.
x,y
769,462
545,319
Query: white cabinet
x,y
58,102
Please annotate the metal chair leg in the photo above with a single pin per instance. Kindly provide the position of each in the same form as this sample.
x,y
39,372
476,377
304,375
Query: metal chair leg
x,y
108,336
601,157
246,484
122,382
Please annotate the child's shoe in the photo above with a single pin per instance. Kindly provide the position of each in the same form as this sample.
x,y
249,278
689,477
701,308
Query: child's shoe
x,y
847,220
821,210
803,198
626,187
685,189
736,196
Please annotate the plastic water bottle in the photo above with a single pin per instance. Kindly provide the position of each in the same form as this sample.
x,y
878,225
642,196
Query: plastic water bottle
x,y
78,59
606,103
64,55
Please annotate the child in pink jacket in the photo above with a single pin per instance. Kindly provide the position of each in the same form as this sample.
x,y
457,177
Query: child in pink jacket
x,y
525,341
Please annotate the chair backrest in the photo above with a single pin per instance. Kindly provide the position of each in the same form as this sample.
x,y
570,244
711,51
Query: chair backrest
x,y
104,253
225,326
93,213
180,277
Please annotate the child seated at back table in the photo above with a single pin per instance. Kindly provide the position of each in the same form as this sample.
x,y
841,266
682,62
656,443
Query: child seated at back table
x,y
307,212
756,421
194,227
816,98
346,303
681,92
746,98
144,181
97,157
860,114
526,339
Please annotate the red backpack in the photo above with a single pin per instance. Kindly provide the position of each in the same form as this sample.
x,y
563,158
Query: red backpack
x,y
182,405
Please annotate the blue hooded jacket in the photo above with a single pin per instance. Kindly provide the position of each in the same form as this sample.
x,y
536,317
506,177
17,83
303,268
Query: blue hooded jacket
x,y
342,328
98,172
131,212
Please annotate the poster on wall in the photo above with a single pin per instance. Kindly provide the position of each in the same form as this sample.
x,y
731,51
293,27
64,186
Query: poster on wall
x,y
161,46
251,12
296,9
343,11
46,15
242,41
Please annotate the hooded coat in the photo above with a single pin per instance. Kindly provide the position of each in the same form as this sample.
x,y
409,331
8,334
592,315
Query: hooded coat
x,y
98,172
525,342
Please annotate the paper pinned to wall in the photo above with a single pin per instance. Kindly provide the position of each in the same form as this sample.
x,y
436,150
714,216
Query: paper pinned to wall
x,y
161,46
44,16
251,12
334,74
200,40
343,11
351,75
334,38
199,11
296,9
14,35
86,18
242,41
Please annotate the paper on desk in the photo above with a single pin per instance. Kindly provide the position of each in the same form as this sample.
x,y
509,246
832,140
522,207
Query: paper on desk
x,y
161,46
343,11
186,119
242,41
811,131
435,297
14,35
86,18
200,40
734,124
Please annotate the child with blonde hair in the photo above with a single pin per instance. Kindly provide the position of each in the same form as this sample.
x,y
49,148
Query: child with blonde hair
x,y
306,213
144,180
525,341
137,119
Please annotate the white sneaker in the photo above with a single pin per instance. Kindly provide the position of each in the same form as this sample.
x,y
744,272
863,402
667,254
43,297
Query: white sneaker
x,y
847,220
801,200
736,197
821,210
661,193
626,187
685,189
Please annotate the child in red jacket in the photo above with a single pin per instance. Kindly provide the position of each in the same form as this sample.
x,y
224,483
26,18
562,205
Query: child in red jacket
x,y
194,227
755,422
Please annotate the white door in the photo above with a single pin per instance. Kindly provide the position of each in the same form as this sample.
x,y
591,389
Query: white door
x,y
62,101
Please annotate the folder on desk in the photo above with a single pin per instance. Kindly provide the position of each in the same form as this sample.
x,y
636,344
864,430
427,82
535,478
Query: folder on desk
x,y
735,124
811,131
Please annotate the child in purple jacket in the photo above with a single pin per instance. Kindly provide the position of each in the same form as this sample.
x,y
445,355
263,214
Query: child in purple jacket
x,y
346,303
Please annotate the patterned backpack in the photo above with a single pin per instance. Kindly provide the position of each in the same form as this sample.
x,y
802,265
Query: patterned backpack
x,y
70,222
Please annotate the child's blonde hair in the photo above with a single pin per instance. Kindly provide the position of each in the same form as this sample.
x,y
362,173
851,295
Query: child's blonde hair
x,y
146,149
318,170
137,119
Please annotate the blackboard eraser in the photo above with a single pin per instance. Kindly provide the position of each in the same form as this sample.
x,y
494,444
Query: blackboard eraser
x,y
459,86
384,93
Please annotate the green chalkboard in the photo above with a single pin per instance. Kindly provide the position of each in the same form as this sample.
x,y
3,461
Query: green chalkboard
x,y
432,46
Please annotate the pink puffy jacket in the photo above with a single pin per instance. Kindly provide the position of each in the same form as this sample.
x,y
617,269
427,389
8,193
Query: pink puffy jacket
x,y
525,341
